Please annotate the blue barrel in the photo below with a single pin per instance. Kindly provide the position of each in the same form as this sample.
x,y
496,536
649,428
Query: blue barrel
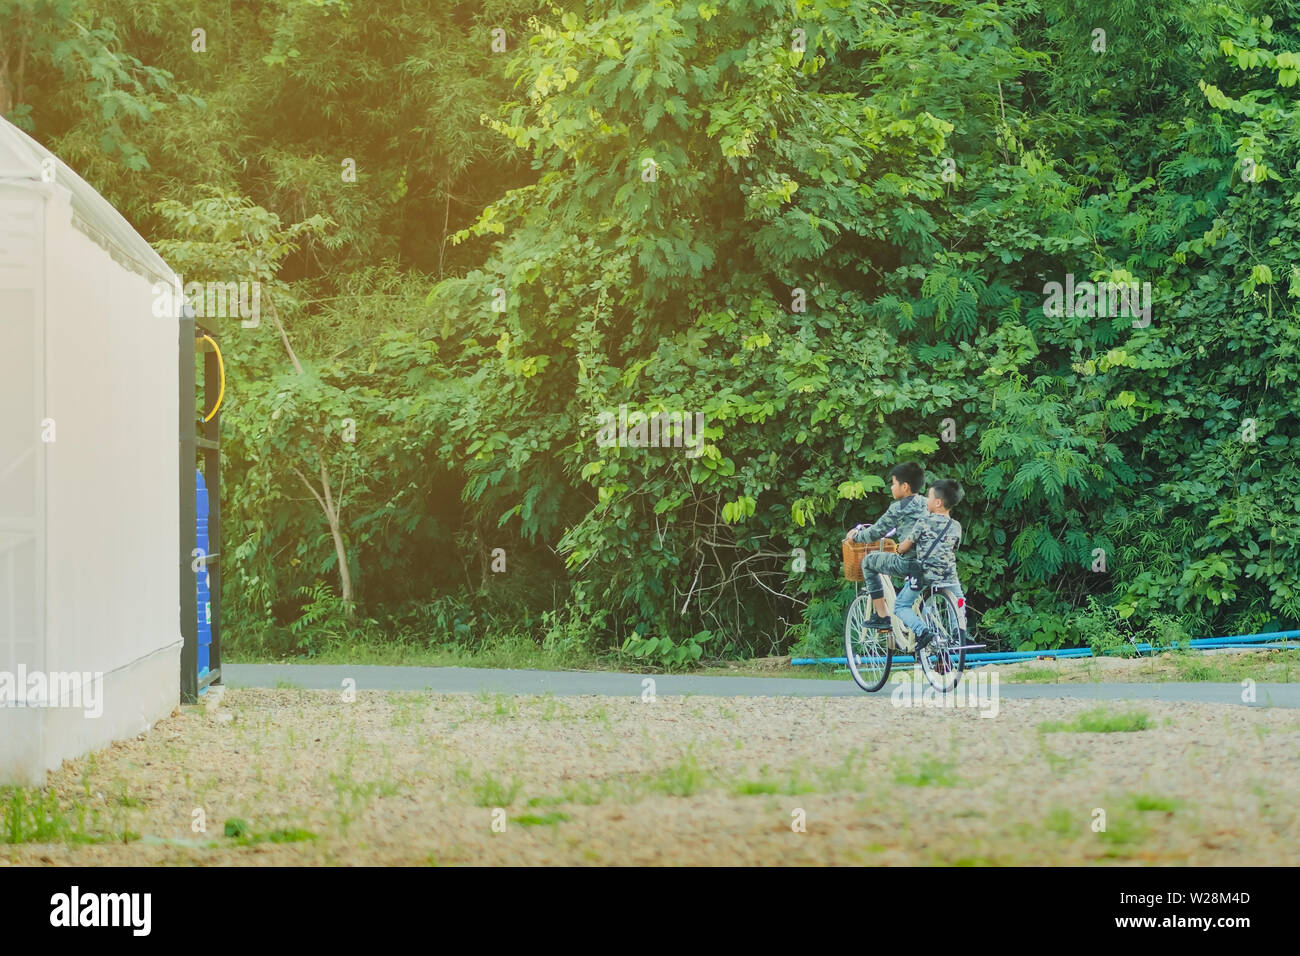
x,y
203,578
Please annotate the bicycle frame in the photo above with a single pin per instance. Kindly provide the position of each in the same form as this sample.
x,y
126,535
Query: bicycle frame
x,y
901,637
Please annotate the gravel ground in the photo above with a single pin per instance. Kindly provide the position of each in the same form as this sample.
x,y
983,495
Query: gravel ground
x,y
415,778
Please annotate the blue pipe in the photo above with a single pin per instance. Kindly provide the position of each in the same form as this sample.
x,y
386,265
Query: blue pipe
x,y
1257,647
1203,643
1238,641
991,658
1248,637
1239,647
986,660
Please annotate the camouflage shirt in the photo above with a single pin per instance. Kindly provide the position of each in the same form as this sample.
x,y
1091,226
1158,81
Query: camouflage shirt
x,y
897,520
941,563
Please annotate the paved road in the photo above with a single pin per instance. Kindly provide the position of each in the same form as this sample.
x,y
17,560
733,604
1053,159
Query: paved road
x,y
469,680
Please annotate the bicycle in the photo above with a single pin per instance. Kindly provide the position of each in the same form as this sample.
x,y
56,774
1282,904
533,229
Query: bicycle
x,y
870,656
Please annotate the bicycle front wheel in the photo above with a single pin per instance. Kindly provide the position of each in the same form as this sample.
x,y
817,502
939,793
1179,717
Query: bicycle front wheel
x,y
945,656
868,650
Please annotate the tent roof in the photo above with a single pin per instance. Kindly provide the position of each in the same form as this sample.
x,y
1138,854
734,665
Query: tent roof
x,y
21,160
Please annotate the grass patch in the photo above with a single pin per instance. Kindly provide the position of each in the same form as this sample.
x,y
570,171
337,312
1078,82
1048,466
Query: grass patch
x,y
1058,764
767,784
124,799
499,705
31,815
547,820
242,834
761,668
1061,822
683,779
926,772
583,792
352,797
552,708
1146,804
851,774
1121,835
1100,721
1038,675
491,792
751,788
408,709
1277,666
1263,667
395,647
1195,670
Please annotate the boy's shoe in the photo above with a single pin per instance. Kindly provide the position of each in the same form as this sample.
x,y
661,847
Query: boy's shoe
x,y
923,639
878,623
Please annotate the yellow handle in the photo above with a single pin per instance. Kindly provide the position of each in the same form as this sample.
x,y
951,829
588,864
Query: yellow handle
x,y
221,368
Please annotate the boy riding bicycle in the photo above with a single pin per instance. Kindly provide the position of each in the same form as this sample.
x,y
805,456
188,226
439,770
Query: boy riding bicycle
x,y
934,538
925,556
905,481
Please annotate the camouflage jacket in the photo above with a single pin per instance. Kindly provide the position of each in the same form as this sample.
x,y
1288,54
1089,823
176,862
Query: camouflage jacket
x,y
897,521
941,562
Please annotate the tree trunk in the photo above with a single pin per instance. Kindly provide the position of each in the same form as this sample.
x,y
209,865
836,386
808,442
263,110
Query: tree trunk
x,y
324,497
6,92
331,510
336,531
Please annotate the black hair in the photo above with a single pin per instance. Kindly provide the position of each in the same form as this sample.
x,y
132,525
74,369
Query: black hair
x,y
911,473
948,491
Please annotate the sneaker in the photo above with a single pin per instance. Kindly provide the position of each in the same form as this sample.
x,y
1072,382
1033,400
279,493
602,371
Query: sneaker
x,y
923,639
878,623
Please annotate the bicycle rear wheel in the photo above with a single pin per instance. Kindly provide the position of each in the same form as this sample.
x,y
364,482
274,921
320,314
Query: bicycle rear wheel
x,y
868,650
945,656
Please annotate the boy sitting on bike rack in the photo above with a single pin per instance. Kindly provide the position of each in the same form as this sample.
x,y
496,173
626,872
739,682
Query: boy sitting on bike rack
x,y
905,481
935,537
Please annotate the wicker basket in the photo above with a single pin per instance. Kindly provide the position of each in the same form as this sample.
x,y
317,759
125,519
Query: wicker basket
x,y
854,551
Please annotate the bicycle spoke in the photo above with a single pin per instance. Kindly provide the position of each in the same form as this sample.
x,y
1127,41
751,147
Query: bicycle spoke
x,y
944,658
866,650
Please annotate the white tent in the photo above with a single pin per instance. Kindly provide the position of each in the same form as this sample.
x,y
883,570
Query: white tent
x,y
89,491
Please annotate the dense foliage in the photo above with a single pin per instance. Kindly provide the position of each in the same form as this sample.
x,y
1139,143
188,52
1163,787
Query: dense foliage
x,y
827,226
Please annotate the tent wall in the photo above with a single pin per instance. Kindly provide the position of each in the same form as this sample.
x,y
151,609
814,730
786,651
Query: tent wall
x,y
22,500
112,493
102,572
